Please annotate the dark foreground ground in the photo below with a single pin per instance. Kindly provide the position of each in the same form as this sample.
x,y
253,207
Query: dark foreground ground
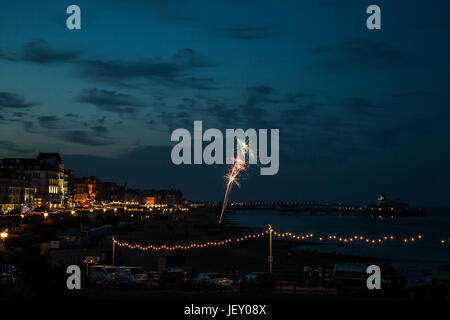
x,y
107,293
276,305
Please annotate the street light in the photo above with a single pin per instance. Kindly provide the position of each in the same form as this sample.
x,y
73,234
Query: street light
x,y
4,235
113,249
270,258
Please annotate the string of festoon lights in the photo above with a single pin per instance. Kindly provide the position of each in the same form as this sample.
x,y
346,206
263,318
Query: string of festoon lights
x,y
280,235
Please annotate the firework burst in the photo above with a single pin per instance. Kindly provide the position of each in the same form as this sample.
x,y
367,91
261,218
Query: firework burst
x,y
237,167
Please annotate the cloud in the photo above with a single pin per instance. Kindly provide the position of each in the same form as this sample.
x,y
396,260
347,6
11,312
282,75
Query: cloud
x,y
258,95
174,120
7,57
19,114
176,71
84,138
260,103
110,101
194,83
191,58
14,101
28,126
8,146
123,70
363,53
101,120
298,114
49,122
263,94
99,130
40,52
248,32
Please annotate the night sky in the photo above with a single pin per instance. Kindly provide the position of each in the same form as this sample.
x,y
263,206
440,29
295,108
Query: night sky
x,y
359,111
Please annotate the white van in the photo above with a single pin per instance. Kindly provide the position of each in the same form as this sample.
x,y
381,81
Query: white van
x,y
140,276
112,272
131,276
99,275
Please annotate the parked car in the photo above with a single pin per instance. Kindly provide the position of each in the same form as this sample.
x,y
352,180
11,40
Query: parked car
x,y
352,277
419,289
124,276
177,278
435,286
7,279
140,276
223,283
112,272
153,278
211,281
9,269
257,281
99,275
131,276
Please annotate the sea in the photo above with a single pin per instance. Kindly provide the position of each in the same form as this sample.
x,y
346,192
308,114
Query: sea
x,y
413,258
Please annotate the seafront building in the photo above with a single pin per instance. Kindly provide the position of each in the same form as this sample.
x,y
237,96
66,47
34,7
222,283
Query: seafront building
x,y
27,183
47,175
16,190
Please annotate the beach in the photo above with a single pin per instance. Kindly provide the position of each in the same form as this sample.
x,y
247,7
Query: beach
x,y
237,258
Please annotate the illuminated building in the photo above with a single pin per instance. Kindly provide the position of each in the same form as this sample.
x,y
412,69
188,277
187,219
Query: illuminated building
x,y
47,174
149,200
16,188
85,189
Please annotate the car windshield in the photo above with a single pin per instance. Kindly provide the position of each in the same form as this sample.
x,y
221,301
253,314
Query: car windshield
x,y
111,270
214,275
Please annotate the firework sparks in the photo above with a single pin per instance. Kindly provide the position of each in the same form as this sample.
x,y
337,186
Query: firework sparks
x,y
232,176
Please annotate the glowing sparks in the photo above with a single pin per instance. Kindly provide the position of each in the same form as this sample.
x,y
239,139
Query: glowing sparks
x,y
238,166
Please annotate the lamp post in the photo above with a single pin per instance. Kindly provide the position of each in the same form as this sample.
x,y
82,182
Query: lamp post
x,y
113,249
270,258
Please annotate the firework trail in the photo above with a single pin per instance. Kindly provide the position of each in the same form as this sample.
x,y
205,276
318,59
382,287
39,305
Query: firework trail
x,y
237,167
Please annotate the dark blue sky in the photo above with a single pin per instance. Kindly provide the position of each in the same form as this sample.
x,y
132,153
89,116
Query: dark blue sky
x,y
359,111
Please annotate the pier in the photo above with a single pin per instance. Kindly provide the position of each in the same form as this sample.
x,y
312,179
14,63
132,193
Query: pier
x,y
298,209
